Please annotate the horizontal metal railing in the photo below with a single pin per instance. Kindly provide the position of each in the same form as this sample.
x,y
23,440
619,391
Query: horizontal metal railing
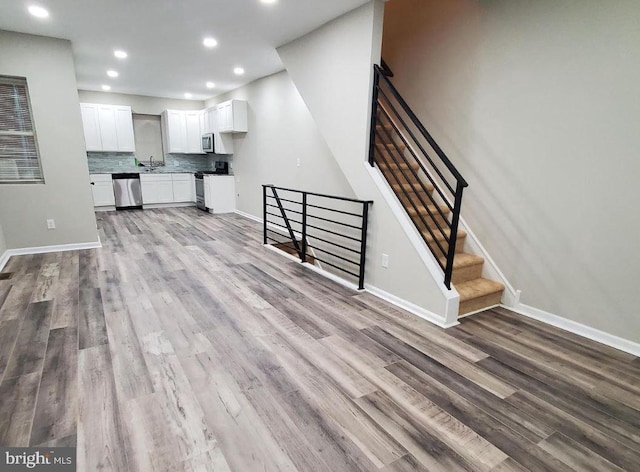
x,y
319,227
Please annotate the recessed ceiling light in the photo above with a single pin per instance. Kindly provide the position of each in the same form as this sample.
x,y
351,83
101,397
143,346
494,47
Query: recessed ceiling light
x,y
106,88
238,71
112,73
187,95
38,12
120,54
269,2
210,42
211,85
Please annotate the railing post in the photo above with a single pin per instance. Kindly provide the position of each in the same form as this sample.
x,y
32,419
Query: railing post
x,y
374,114
453,237
286,222
304,227
363,244
264,213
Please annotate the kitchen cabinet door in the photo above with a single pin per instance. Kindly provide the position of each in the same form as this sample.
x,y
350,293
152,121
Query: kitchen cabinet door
x,y
225,119
149,192
176,132
205,126
108,133
91,126
194,132
102,189
124,129
184,188
222,191
165,191
223,143
232,116
212,120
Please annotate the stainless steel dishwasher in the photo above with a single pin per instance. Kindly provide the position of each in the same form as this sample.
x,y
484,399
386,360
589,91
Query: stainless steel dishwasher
x,y
128,191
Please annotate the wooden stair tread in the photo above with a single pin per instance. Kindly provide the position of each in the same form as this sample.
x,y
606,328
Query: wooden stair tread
x,y
409,188
439,236
424,211
465,259
389,164
393,146
478,288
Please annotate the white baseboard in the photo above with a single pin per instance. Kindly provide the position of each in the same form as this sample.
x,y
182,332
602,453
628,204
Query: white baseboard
x,y
46,249
386,296
247,215
578,328
4,259
159,206
411,307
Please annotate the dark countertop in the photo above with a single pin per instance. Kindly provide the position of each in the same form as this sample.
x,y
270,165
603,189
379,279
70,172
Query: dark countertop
x,y
143,171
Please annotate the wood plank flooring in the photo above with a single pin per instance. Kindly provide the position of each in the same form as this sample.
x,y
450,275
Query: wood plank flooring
x,y
184,345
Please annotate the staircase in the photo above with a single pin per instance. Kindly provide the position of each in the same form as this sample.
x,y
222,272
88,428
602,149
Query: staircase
x,y
430,189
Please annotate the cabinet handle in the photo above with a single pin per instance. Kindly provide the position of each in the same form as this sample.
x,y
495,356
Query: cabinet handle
x,y
93,183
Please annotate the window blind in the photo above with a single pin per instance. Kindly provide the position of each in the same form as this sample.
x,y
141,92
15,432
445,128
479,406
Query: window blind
x,y
19,160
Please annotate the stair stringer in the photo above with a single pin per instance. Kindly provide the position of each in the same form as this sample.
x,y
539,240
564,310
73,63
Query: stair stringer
x,y
490,270
431,264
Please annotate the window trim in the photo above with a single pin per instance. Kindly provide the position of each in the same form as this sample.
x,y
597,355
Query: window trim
x,y
15,80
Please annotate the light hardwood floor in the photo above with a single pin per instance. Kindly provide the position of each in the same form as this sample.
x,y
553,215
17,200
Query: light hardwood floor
x,y
184,345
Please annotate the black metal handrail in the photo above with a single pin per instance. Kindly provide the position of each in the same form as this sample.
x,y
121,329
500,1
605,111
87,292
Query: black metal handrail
x,y
323,230
398,143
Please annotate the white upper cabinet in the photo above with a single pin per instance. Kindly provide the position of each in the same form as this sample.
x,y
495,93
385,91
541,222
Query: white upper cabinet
x,y
91,126
232,116
108,134
194,132
107,128
174,131
182,131
124,129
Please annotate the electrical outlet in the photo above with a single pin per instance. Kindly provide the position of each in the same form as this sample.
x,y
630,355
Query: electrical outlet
x,y
120,163
298,162
51,224
176,163
385,261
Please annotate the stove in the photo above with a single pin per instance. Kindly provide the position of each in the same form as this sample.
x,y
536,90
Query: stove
x,y
200,200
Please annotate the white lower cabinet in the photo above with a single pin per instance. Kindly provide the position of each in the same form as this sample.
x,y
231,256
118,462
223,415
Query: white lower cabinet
x,y
220,193
167,188
157,188
102,188
184,188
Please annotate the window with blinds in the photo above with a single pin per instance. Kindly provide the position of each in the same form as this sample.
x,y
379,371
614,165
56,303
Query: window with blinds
x,y
19,159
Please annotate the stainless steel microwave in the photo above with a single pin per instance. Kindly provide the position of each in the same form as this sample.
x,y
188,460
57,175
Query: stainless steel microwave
x,y
208,142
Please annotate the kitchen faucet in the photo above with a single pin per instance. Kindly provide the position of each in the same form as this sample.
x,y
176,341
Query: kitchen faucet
x,y
150,161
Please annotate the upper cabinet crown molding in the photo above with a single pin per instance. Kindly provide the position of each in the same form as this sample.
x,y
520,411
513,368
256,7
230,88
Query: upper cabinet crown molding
x,y
107,128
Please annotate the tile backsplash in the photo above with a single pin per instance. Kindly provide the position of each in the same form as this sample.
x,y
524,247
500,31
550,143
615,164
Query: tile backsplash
x,y
105,162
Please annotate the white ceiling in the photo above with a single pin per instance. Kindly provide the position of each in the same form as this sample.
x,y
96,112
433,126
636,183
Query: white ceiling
x,y
164,39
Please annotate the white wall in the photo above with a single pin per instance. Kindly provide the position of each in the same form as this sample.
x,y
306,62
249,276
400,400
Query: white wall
x,y
537,103
281,131
142,104
332,68
65,196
